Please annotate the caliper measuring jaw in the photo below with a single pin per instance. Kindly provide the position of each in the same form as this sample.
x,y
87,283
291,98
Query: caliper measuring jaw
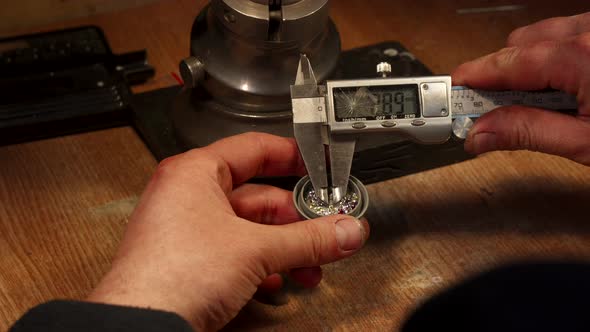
x,y
312,134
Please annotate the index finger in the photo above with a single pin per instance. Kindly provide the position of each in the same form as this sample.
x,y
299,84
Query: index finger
x,y
258,154
550,64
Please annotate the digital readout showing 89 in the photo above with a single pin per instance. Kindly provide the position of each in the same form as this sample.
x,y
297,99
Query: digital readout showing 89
x,y
376,103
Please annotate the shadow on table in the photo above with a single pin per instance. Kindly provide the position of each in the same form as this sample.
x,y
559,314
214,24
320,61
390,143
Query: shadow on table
x,y
530,205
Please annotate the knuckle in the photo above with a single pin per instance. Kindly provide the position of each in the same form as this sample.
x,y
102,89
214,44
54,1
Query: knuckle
x,y
317,243
206,161
515,36
530,58
270,210
190,162
523,139
168,166
535,54
581,44
506,57
521,136
217,166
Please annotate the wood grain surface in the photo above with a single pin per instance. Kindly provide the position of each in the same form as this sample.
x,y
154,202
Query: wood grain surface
x,y
64,202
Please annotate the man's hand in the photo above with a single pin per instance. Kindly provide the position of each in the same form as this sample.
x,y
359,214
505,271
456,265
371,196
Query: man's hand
x,y
201,242
554,53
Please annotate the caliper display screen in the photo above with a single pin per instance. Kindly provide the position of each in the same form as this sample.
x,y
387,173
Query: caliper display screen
x,y
384,102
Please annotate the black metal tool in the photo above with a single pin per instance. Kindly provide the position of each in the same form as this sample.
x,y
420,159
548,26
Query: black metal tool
x,y
63,82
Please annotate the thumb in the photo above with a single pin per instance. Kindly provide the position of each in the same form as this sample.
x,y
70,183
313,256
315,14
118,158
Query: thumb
x,y
315,242
523,128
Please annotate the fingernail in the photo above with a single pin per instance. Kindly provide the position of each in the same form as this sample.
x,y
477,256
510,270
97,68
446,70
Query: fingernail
x,y
482,142
350,234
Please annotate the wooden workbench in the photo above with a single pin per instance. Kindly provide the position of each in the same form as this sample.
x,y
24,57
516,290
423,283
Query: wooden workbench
x,y
64,202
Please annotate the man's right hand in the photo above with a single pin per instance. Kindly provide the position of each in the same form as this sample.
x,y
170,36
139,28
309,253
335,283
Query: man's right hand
x,y
553,53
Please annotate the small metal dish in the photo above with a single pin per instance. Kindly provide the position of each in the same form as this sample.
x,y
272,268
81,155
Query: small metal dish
x,y
355,203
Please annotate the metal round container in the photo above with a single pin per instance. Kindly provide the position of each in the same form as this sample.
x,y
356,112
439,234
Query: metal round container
x,y
355,203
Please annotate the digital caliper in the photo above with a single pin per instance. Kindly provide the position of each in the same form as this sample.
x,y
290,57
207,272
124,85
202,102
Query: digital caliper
x,y
428,110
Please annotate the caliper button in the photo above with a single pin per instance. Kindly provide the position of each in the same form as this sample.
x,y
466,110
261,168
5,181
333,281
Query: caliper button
x,y
388,124
418,123
359,125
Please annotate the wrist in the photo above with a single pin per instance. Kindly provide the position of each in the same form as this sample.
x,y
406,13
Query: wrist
x,y
123,287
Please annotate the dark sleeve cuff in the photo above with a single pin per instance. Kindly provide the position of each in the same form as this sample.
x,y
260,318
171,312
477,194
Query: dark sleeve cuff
x,y
65,316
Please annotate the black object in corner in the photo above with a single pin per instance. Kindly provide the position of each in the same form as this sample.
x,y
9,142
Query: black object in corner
x,y
63,82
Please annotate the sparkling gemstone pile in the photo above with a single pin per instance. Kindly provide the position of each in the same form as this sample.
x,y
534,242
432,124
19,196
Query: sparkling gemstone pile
x,y
321,208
